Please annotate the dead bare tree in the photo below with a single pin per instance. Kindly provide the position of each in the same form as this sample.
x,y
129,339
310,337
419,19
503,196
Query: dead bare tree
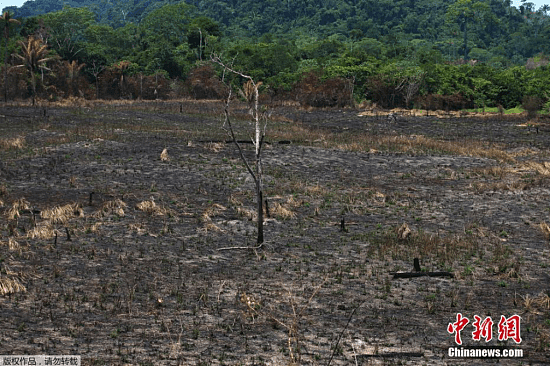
x,y
250,93
96,70
409,87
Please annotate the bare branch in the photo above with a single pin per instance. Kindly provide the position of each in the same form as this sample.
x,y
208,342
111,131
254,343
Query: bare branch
x,y
232,134
233,248
216,59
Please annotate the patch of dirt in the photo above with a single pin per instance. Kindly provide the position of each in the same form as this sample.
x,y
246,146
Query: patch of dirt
x,y
143,267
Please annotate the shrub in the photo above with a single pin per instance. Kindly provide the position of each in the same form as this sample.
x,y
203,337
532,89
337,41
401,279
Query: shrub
x,y
314,92
203,83
532,104
382,90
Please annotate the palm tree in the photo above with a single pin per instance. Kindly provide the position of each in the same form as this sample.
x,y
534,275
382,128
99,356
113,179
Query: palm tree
x,y
7,19
33,55
73,68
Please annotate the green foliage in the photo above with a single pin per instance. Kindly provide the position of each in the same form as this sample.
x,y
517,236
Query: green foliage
x,y
264,61
386,48
66,29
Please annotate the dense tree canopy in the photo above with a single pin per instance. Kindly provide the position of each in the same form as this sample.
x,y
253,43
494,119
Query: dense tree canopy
x,y
386,48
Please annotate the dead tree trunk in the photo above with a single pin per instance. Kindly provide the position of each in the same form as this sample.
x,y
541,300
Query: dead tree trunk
x,y
251,94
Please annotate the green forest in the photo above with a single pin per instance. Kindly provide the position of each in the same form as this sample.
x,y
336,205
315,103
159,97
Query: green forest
x,y
437,54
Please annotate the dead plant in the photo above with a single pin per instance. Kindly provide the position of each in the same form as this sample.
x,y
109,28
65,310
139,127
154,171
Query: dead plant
x,y
212,210
206,217
13,212
164,155
260,125
244,212
543,300
214,146
234,200
545,229
43,230
12,244
12,143
282,212
528,303
62,214
541,168
404,232
151,208
115,206
11,286
73,181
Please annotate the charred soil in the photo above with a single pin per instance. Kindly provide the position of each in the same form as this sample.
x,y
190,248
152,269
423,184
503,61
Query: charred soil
x,y
123,227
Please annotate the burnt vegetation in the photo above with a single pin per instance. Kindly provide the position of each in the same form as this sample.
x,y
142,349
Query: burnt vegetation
x,y
129,234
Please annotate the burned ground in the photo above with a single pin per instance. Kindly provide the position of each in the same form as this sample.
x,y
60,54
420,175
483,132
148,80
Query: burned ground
x,y
153,273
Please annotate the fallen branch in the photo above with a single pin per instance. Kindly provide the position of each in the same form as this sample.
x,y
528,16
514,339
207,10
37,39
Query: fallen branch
x,y
342,333
393,354
233,248
421,274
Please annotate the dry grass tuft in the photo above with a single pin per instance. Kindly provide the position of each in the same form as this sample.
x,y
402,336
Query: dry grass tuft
x,y
21,204
464,148
282,212
249,214
151,208
316,191
95,227
234,200
529,302
11,286
292,202
13,143
512,271
43,230
62,214
212,227
138,228
545,229
541,168
206,217
404,232
113,204
12,244
500,186
212,210
111,207
214,146
164,155
495,171
77,102
379,198
420,244
374,142
543,300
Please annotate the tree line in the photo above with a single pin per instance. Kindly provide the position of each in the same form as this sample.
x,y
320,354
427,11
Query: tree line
x,y
438,54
